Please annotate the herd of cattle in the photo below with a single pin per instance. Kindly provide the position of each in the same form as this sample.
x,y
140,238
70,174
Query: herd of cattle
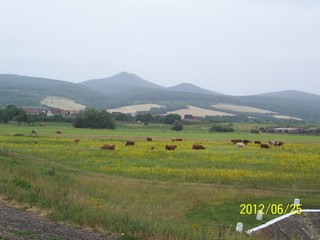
x,y
242,143
149,139
237,142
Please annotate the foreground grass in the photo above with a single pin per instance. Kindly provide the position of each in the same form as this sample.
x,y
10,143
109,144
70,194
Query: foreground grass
x,y
183,194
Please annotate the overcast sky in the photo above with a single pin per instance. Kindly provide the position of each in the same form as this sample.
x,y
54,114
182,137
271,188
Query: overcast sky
x,y
237,47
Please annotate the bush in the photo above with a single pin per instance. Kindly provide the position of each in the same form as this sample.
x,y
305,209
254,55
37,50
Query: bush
x,y
177,126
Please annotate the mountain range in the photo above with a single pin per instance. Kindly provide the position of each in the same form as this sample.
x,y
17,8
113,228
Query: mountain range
x,y
127,89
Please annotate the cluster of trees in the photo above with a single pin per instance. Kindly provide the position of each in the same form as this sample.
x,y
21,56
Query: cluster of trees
x,y
88,118
147,118
167,119
13,113
92,118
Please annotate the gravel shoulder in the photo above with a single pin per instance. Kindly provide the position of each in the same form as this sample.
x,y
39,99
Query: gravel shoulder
x,y
19,224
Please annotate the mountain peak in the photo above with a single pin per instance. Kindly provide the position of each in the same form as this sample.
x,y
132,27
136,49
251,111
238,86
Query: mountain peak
x,y
119,83
189,87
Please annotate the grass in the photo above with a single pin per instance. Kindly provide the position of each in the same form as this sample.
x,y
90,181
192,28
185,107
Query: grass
x,y
182,194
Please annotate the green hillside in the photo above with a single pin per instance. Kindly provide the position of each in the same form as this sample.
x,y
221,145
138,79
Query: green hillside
x,y
29,91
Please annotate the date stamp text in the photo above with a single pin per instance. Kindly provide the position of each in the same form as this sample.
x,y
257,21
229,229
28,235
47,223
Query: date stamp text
x,y
270,208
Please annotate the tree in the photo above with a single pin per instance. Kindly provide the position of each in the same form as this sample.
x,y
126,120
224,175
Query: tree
x,y
91,118
118,116
171,118
22,117
144,117
177,126
10,113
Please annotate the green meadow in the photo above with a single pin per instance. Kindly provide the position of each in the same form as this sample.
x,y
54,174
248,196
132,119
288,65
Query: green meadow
x,y
147,192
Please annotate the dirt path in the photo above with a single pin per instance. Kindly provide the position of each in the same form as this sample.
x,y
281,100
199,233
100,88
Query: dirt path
x,y
16,224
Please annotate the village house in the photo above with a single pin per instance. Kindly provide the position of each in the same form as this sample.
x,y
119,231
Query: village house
x,y
34,111
189,117
57,112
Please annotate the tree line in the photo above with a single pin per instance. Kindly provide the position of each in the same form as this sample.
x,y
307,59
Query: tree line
x,y
88,118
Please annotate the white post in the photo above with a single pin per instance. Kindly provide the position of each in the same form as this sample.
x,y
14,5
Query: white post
x,y
259,215
239,227
296,201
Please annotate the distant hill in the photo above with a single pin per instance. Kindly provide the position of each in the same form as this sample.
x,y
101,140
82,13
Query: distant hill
x,y
119,83
188,87
292,94
30,91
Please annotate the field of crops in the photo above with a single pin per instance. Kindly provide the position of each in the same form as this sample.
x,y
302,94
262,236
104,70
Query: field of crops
x,y
147,191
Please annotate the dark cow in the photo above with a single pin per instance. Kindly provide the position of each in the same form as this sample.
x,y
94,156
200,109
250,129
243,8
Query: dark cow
x,y
246,141
108,147
59,132
177,139
129,143
197,146
171,147
234,141
77,140
149,139
257,142
264,145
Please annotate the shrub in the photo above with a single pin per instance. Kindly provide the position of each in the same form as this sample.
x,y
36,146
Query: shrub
x,y
177,126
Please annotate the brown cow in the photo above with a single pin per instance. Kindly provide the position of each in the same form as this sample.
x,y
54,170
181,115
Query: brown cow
x,y
77,140
278,143
198,146
129,143
108,147
264,145
246,141
234,141
171,147
257,142
149,139
177,139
